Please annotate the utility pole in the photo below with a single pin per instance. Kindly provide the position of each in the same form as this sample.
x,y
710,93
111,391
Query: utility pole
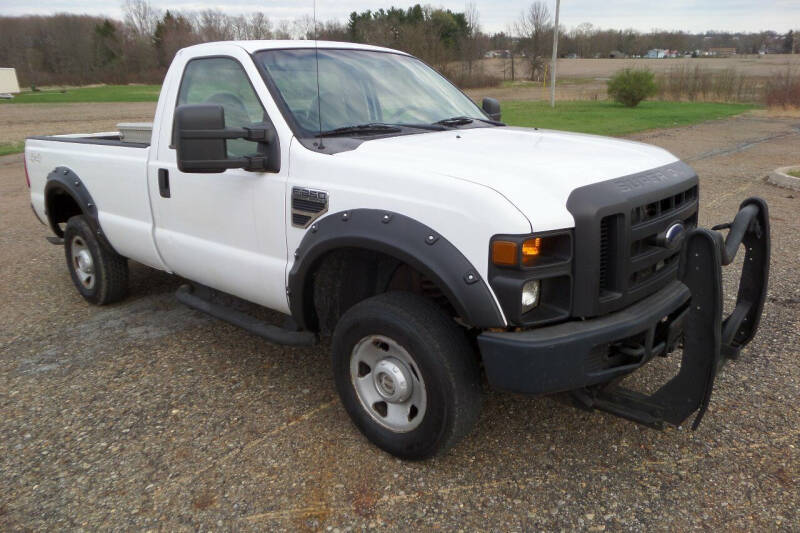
x,y
555,59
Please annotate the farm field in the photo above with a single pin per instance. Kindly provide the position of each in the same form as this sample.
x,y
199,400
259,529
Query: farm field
x,y
749,65
585,79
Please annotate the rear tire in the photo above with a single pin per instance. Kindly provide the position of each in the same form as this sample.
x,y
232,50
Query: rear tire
x,y
406,374
99,273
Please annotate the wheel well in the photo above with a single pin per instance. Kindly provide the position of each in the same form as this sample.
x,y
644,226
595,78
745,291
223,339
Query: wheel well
x,y
343,277
60,206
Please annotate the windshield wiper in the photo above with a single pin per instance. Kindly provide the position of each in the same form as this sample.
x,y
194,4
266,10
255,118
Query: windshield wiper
x,y
463,121
454,121
431,127
372,128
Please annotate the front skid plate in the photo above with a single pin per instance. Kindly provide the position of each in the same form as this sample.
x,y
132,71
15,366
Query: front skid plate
x,y
708,340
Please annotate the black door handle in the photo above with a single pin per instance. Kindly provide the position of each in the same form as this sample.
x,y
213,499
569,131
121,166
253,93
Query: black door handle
x,y
163,182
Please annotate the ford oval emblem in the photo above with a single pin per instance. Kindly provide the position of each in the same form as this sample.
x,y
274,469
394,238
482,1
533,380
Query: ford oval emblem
x,y
674,234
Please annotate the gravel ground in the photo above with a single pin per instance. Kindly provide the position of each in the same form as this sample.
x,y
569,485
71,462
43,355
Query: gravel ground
x,y
148,415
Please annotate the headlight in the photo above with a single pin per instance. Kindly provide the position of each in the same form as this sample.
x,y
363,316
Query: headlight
x,y
530,295
527,251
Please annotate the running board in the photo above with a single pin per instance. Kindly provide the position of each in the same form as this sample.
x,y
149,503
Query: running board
x,y
197,298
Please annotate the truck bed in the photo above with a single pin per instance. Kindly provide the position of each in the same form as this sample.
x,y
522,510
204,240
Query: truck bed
x,y
115,173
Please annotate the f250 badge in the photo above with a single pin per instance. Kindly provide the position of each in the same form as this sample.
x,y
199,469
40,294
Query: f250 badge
x,y
307,206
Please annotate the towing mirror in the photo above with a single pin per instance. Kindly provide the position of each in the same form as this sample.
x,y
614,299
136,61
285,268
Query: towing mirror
x,y
492,108
201,140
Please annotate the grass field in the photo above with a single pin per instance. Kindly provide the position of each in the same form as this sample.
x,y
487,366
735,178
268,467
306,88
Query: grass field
x,y
10,148
609,118
100,93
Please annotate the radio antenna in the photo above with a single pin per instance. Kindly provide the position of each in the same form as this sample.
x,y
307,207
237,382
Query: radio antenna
x,y
320,146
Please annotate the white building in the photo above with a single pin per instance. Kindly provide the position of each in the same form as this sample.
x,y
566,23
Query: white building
x,y
8,82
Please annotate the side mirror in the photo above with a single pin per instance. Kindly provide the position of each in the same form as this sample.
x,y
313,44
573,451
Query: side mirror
x,y
492,108
201,136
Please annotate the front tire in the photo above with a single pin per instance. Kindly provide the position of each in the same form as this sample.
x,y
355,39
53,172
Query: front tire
x,y
406,374
99,273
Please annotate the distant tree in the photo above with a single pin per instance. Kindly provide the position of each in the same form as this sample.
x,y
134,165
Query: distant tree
x,y
106,45
788,43
172,33
534,30
140,17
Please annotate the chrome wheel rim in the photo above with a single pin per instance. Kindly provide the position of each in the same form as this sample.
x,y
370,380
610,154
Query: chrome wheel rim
x,y
388,383
82,262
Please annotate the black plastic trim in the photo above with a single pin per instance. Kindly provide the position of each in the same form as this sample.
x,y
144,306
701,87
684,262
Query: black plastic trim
x,y
404,239
63,180
556,358
103,141
198,297
590,204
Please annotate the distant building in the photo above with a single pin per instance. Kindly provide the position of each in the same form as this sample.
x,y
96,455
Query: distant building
x,y
616,54
722,52
8,82
497,53
656,53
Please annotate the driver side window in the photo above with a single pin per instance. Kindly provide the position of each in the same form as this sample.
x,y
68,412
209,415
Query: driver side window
x,y
223,81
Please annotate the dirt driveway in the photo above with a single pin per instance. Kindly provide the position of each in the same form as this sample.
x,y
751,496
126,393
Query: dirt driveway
x,y
148,415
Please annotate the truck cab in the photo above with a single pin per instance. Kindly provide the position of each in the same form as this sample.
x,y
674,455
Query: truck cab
x,y
358,192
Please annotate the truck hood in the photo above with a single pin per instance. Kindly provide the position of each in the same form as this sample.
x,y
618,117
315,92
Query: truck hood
x,y
534,169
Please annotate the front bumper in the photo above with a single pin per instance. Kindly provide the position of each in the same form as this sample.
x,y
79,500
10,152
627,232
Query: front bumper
x,y
587,357
582,353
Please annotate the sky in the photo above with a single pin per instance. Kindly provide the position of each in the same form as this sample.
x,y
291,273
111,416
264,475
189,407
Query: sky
x,y
495,15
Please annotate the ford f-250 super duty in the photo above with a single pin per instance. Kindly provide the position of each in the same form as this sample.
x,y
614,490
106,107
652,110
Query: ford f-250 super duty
x,y
356,190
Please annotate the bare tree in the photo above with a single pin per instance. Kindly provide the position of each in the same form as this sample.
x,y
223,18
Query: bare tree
x,y
472,45
258,27
140,17
283,31
534,31
214,25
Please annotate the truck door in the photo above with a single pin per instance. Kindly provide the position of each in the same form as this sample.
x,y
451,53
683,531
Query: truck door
x,y
226,230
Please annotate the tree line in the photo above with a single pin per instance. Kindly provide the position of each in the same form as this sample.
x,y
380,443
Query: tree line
x,y
81,49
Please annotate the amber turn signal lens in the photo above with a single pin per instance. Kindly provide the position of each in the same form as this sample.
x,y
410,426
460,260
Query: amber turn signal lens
x,y
530,250
504,253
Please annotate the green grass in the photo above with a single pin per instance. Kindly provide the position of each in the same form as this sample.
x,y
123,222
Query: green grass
x,y
795,173
102,93
610,118
11,148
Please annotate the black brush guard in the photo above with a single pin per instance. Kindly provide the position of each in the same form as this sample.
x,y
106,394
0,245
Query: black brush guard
x,y
709,341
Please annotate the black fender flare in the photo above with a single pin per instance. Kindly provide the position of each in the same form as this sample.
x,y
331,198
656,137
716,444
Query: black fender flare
x,y
63,180
404,239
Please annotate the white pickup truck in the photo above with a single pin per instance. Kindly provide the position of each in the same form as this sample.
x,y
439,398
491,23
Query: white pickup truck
x,y
360,193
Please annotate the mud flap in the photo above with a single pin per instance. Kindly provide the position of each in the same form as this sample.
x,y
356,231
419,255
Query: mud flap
x,y
708,340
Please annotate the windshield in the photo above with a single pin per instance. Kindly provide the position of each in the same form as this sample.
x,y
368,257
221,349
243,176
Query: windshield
x,y
361,87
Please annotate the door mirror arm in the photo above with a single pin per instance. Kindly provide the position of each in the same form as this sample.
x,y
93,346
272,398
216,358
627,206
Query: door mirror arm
x,y
248,133
202,135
